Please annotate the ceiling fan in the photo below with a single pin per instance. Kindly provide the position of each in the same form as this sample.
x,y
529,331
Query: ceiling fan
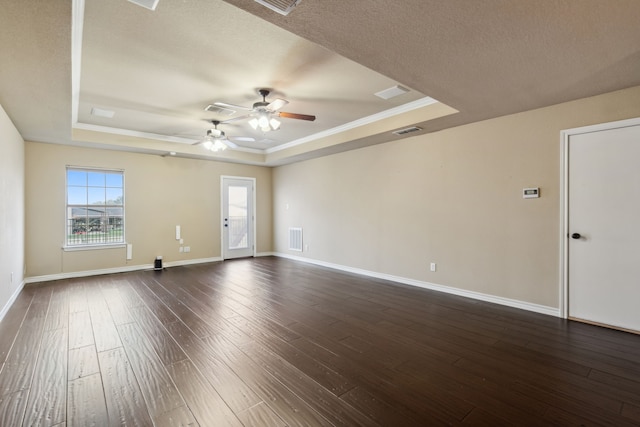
x,y
217,140
263,114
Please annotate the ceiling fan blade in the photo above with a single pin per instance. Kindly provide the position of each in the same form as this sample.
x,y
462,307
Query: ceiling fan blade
x,y
232,106
199,142
276,104
242,138
229,143
296,116
235,119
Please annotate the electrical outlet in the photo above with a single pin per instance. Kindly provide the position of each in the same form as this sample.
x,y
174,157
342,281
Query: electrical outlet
x,y
181,249
187,248
432,267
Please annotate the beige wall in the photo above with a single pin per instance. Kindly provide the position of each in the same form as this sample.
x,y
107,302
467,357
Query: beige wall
x,y
453,197
11,210
160,193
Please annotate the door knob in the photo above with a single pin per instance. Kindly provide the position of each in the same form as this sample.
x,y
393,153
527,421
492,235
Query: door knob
x,y
576,236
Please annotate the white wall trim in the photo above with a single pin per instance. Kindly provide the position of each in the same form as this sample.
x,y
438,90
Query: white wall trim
x,y
192,262
127,269
523,305
564,201
260,254
414,105
11,300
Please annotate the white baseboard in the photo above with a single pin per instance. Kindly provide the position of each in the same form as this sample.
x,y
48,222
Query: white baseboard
x,y
537,308
11,300
192,261
259,254
126,269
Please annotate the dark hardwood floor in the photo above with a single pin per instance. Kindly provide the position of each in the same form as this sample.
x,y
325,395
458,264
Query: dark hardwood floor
x,y
273,342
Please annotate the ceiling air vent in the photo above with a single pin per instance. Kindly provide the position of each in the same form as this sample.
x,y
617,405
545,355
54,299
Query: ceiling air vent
x,y
148,4
220,110
406,130
283,7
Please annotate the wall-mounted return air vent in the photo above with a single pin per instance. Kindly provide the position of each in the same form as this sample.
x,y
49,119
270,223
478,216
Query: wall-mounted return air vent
x,y
406,130
295,239
283,7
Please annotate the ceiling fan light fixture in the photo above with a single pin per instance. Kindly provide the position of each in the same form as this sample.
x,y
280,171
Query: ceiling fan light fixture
x,y
253,123
263,121
275,124
218,146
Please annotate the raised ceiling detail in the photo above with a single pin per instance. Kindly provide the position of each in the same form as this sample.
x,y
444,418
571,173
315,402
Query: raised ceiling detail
x,y
157,71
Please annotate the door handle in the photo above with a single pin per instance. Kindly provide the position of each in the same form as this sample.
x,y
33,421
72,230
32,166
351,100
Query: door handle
x,y
576,236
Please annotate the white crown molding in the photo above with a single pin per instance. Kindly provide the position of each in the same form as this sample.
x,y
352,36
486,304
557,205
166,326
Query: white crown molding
x,y
419,103
153,136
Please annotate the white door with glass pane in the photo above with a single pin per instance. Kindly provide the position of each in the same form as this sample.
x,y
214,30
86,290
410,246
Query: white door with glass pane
x,y
238,217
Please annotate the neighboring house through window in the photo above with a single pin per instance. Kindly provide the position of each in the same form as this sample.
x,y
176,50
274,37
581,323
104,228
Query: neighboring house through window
x,y
95,207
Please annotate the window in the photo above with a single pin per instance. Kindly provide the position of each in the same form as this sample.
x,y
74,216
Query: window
x,y
95,207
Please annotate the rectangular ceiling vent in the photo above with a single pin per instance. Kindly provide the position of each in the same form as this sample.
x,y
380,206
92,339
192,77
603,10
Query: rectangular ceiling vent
x,y
220,110
407,130
392,92
283,7
147,4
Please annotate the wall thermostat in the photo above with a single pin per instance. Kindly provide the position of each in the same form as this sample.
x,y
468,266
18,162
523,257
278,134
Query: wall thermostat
x,y
530,193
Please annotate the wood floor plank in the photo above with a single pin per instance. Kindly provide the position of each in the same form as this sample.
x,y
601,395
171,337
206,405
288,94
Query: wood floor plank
x,y
58,312
337,411
48,391
157,388
260,415
237,394
333,381
80,329
272,342
167,349
204,401
17,371
86,405
119,311
104,329
12,406
125,403
11,323
83,361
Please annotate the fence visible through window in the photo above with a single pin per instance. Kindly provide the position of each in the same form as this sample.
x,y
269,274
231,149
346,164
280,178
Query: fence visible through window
x,y
86,226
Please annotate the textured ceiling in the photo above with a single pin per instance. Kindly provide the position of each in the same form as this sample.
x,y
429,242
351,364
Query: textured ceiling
x,y
158,70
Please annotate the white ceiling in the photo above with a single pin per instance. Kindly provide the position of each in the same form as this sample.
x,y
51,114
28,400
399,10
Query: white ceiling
x,y
157,70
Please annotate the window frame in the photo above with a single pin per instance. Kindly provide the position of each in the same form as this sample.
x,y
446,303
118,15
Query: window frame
x,y
92,245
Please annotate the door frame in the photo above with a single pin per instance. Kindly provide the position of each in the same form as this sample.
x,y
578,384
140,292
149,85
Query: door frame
x,y
253,213
565,135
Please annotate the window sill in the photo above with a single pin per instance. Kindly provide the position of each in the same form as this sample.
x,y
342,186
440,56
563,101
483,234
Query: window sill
x,y
93,247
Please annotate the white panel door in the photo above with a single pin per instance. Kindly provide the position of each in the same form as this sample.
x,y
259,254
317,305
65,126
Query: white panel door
x,y
604,227
237,217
